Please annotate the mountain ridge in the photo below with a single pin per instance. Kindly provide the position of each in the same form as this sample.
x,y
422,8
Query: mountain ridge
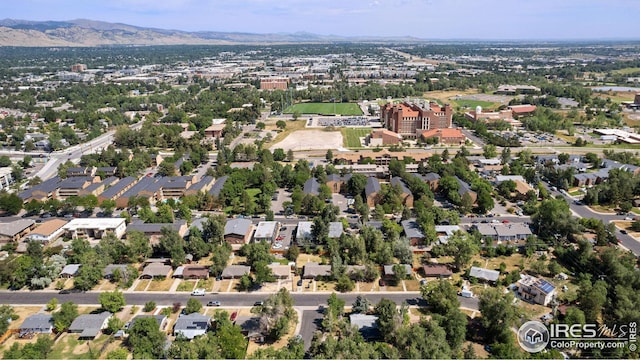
x,y
86,32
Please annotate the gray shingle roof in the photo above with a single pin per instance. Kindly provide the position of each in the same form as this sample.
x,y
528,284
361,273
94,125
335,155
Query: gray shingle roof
x,y
388,269
235,271
311,186
192,321
14,227
397,181
218,185
412,229
335,229
373,186
37,321
484,274
312,270
237,227
89,325
116,188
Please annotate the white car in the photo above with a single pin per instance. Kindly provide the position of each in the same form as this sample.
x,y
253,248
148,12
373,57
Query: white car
x,y
198,292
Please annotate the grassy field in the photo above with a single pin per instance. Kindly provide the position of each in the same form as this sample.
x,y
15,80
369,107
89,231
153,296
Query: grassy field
x,y
325,108
626,71
352,136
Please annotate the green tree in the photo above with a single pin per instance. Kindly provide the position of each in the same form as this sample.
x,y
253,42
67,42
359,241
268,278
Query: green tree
x,y
290,155
63,318
10,203
112,301
498,314
489,151
7,315
281,124
114,324
193,306
361,305
146,340
117,354
389,318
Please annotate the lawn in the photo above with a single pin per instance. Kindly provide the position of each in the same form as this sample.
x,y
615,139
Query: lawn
x,y
205,284
142,285
464,103
412,285
352,136
68,346
160,285
186,285
325,109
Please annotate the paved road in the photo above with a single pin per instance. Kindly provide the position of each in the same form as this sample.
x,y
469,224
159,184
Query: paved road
x,y
584,211
235,299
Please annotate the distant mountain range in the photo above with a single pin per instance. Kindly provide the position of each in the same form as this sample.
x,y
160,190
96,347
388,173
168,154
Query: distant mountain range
x,y
83,32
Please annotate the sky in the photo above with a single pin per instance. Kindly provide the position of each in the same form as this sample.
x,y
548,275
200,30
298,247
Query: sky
x,y
425,19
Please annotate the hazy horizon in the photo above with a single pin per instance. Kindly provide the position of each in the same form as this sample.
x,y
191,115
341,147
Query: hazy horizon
x,y
424,19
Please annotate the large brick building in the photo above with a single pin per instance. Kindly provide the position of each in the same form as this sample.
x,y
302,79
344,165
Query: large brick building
x,y
274,83
409,119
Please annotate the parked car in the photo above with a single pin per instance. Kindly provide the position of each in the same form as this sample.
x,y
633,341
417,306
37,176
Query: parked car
x,y
213,303
258,303
198,292
623,231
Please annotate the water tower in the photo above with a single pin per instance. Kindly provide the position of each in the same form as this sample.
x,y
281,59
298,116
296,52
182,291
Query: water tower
x,y
478,111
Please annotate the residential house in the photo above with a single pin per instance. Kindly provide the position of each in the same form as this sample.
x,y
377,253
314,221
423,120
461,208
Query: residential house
x,y
437,271
413,232
250,327
48,231
280,271
389,273
266,231
536,290
367,325
37,324
484,274
405,193
95,228
313,270
191,325
108,271
372,190
443,232
15,230
156,270
238,231
90,325
235,271
70,271
195,272
214,132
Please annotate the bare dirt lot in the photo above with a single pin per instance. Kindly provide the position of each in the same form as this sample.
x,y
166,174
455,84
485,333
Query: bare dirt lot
x,y
310,140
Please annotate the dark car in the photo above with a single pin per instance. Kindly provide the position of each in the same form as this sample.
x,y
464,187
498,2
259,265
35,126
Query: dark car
x,y
623,231
258,303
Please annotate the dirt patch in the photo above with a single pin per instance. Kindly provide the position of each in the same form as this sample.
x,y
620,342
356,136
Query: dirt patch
x,y
24,312
310,140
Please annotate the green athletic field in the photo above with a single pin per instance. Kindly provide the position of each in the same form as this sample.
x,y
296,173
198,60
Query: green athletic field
x,y
325,108
353,135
